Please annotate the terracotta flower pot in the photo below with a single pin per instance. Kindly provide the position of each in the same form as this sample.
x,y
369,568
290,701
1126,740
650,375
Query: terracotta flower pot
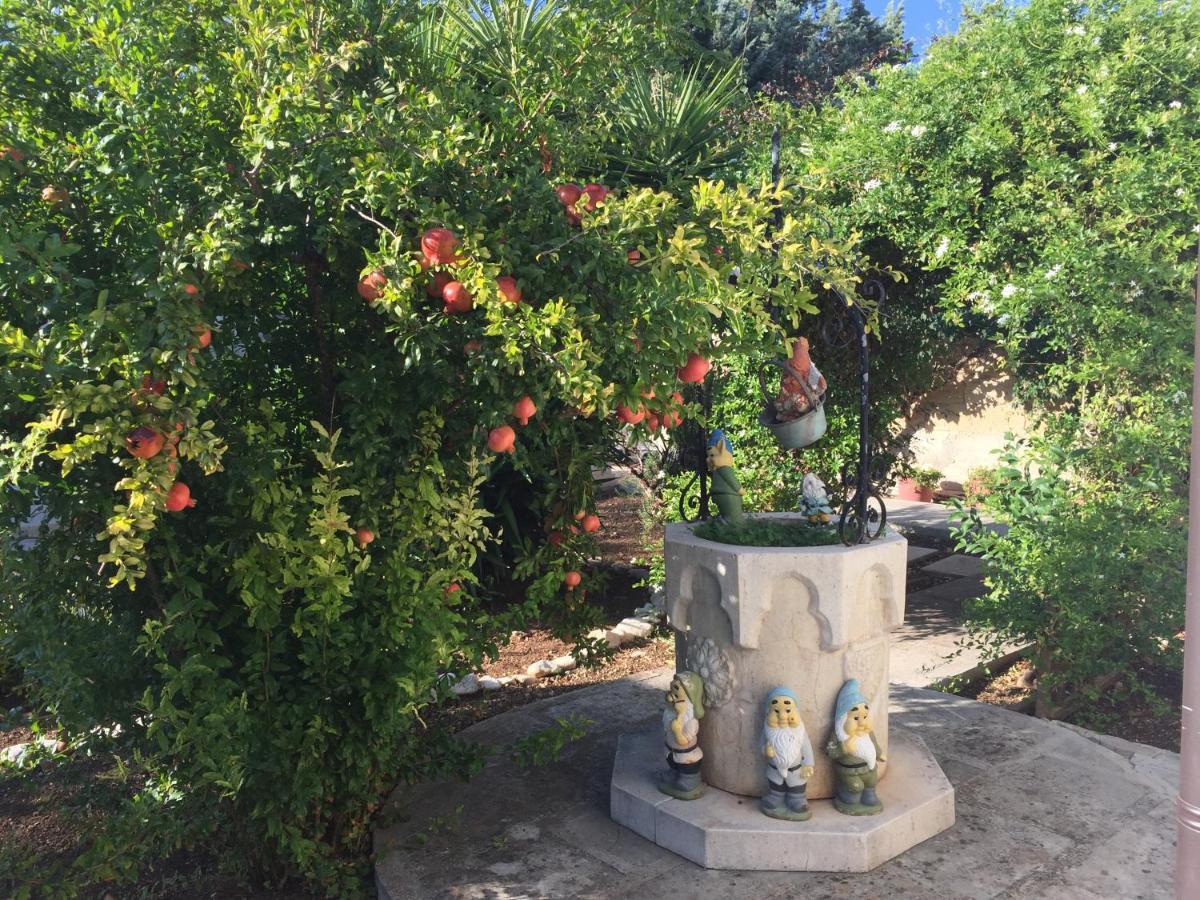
x,y
908,489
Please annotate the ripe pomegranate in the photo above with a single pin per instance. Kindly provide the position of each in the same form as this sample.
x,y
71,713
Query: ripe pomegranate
x,y
203,335
555,539
573,216
11,153
596,194
501,439
673,418
628,416
507,285
652,421
451,588
568,194
472,347
144,442
191,290
54,195
438,245
524,409
694,370
438,284
363,536
150,385
591,523
371,286
634,257
179,497
457,298
572,579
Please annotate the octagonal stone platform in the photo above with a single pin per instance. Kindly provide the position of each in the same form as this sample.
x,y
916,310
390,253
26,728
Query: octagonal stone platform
x,y
728,831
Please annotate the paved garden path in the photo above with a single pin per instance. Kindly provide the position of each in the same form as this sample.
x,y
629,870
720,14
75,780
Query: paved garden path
x,y
926,648
1044,810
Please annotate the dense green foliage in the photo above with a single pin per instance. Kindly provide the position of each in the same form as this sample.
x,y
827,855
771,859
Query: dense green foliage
x,y
754,532
798,48
176,167
1038,174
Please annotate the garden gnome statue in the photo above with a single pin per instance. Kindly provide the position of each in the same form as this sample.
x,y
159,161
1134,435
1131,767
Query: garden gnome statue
x,y
814,502
856,753
726,490
793,400
789,756
681,730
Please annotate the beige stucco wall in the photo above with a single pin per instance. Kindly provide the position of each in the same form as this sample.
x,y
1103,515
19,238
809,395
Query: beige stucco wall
x,y
955,427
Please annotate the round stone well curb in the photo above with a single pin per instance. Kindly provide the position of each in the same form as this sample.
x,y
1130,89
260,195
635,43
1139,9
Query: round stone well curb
x,y
721,830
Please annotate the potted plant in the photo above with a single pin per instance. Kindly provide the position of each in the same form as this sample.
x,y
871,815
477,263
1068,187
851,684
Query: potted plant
x,y
979,485
918,484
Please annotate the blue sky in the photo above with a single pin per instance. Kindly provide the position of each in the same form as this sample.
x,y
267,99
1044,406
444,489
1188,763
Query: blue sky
x,y
923,19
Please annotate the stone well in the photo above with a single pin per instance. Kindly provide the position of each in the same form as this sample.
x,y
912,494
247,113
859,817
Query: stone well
x,y
749,619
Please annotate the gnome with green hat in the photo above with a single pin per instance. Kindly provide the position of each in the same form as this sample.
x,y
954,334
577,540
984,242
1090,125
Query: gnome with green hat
x,y
855,753
681,731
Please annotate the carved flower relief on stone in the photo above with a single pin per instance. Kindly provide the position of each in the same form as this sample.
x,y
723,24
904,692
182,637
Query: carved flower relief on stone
x,y
712,664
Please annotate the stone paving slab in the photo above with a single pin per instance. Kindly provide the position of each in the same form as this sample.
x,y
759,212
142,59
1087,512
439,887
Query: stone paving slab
x,y
1043,811
916,554
957,564
957,589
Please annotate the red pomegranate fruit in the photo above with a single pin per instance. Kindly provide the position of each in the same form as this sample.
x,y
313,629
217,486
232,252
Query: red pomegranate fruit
x,y
179,497
203,336
568,194
363,536
452,588
673,418
153,386
438,283
11,153
555,539
652,421
524,409
572,580
634,257
370,288
628,416
144,442
596,194
438,245
54,195
694,370
458,299
509,290
591,523
502,439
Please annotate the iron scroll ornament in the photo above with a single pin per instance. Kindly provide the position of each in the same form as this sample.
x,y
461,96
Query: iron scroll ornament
x,y
864,514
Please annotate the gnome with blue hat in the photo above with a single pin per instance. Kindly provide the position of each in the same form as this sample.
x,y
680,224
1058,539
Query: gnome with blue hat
x,y
789,756
726,490
855,753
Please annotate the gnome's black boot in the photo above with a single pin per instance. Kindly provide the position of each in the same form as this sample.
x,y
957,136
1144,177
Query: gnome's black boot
x,y
772,803
869,797
797,802
690,786
845,800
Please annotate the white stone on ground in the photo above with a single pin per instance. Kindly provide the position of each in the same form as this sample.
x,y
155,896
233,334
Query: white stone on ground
x,y
488,683
540,668
467,685
563,664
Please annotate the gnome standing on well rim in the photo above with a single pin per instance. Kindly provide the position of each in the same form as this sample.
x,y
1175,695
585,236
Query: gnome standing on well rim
x,y
681,731
855,753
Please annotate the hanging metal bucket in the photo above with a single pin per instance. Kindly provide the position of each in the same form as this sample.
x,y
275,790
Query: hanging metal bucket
x,y
798,432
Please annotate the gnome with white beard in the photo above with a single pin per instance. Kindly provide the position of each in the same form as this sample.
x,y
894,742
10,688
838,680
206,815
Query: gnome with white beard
x,y
855,753
789,755
681,733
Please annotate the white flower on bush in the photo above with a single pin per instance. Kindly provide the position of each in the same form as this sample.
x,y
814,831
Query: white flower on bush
x,y
1076,30
1052,272
1008,290
982,301
1081,90
872,184
893,126
1175,104
1112,146
917,130
940,250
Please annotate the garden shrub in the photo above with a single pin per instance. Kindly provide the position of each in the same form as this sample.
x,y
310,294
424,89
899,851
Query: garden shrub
x,y
1037,174
191,193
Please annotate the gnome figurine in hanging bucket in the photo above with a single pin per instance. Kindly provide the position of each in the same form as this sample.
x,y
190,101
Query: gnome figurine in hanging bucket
x,y
789,756
681,733
856,754
801,386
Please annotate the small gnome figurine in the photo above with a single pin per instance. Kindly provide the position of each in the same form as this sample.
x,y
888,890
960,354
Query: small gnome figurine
x,y
726,489
681,732
814,502
856,753
789,756
793,401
